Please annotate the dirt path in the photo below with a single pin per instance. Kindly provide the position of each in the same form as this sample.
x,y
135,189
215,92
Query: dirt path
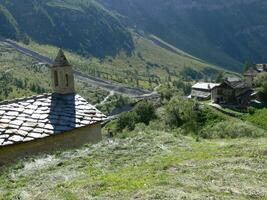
x,y
111,93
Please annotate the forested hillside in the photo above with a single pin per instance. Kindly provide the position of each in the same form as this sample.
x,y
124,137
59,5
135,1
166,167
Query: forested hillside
x,y
223,33
81,26
227,33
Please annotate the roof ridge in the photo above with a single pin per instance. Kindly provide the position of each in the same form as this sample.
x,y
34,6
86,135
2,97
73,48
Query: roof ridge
x,y
6,102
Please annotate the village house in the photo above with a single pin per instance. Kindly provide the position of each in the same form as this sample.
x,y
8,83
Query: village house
x,y
48,122
233,91
202,91
253,71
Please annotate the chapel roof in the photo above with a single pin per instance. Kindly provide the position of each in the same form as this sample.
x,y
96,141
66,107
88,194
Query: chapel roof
x,y
27,119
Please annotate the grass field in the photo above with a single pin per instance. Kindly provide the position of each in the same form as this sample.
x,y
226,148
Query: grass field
x,y
149,164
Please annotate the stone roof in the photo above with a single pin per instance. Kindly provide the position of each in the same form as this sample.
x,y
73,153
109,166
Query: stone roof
x,y
251,72
200,94
236,83
61,60
205,86
261,67
256,69
27,119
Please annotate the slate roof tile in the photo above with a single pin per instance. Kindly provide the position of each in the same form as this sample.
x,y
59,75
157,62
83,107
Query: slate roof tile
x,y
16,122
13,126
27,129
23,120
16,138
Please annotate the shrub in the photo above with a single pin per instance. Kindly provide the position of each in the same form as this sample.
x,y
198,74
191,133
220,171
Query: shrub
x,y
206,117
251,110
182,113
145,112
127,120
167,91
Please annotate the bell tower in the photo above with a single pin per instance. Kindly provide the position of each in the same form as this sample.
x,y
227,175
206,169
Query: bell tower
x,y
62,75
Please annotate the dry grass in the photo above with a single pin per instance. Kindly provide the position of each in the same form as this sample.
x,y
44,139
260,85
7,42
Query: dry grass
x,y
148,164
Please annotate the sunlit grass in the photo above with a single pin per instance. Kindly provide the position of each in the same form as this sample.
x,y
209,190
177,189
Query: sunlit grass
x,y
145,162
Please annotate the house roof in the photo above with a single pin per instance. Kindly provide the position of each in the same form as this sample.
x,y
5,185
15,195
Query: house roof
x,y
27,119
260,67
236,83
251,72
205,86
200,94
256,69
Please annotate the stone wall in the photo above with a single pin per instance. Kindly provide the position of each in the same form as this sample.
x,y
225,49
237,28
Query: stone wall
x,y
64,141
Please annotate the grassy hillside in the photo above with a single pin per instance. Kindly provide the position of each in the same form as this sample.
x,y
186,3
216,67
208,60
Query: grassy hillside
x,y
149,164
81,26
227,33
21,76
149,64
259,117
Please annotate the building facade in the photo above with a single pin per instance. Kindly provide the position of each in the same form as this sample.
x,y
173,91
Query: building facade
x,y
233,91
253,71
202,91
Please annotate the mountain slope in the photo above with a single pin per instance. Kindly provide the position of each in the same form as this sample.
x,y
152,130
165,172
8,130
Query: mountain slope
x,y
82,26
22,76
227,33
149,64
220,32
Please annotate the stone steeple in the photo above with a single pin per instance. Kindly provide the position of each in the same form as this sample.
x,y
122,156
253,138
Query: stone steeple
x,y
62,75
61,60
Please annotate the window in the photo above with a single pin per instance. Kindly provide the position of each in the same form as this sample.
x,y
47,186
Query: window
x,y
56,78
67,80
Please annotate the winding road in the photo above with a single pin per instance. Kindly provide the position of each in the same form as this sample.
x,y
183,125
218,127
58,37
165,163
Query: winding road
x,y
106,85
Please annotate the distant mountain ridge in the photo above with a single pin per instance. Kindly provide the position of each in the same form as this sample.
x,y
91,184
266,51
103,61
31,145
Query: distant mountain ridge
x,y
226,33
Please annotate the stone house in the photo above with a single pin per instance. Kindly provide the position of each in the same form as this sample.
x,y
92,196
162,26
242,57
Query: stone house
x,y
48,122
253,71
233,91
202,91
